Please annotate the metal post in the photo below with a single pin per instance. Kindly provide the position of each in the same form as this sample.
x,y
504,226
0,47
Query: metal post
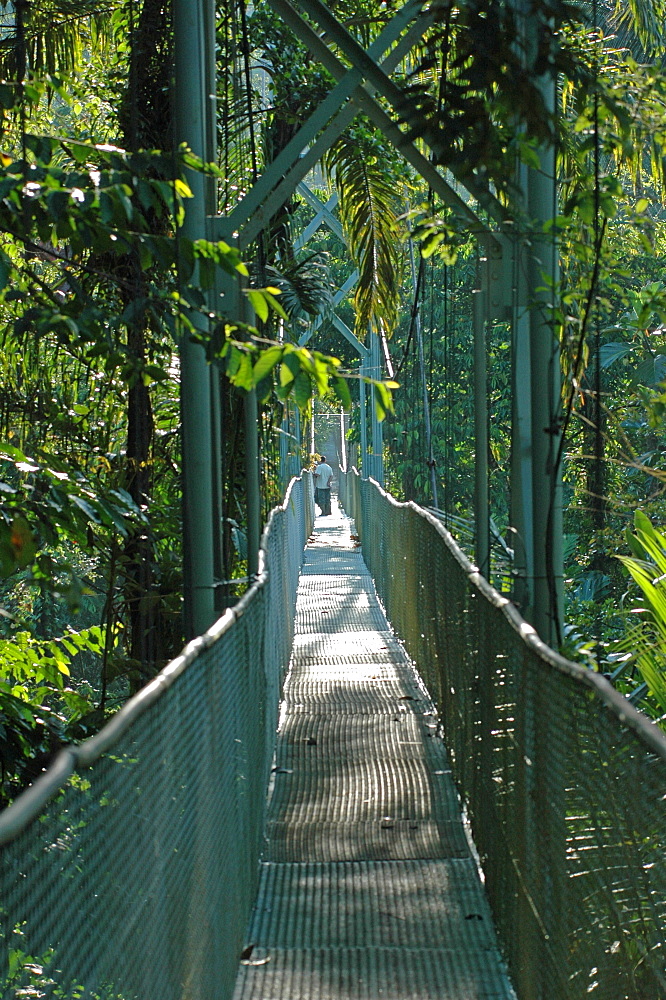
x,y
190,116
252,484
546,410
522,541
312,427
297,434
542,270
377,427
343,440
217,472
241,306
481,501
285,471
363,420
216,373
424,385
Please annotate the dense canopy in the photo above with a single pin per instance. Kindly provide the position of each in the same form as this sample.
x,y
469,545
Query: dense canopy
x,y
488,136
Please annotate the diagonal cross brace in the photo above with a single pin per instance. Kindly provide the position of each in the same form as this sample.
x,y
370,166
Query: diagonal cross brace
x,y
291,165
324,215
377,76
340,325
363,98
325,211
336,321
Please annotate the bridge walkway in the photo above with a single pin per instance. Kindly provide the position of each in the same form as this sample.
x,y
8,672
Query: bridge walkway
x,y
368,888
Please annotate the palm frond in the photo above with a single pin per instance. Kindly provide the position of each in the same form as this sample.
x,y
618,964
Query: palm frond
x,y
368,202
645,640
305,286
639,21
54,35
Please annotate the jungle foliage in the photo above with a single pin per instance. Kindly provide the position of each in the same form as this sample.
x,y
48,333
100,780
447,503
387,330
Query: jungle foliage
x,y
98,285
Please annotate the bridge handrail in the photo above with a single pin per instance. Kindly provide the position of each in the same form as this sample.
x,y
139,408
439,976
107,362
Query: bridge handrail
x,y
562,779
244,657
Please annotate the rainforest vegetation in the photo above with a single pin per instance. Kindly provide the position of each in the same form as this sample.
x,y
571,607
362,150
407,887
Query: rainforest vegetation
x,y
98,284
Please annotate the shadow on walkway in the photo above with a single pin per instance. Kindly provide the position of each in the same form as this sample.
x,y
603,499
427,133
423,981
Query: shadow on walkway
x,y
368,888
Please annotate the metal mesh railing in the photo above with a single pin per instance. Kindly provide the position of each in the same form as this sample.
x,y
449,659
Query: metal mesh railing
x,y
129,870
563,781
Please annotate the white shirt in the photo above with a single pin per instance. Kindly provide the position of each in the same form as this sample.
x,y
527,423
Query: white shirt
x,y
323,475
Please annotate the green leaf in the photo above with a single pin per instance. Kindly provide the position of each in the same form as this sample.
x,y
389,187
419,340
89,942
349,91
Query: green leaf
x,y
302,390
22,542
182,189
6,268
612,352
529,156
258,303
633,543
289,369
243,375
7,561
370,202
8,96
266,362
650,372
275,304
86,507
145,256
383,399
341,390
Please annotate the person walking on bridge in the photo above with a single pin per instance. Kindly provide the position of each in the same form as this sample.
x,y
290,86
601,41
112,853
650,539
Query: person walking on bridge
x,y
323,474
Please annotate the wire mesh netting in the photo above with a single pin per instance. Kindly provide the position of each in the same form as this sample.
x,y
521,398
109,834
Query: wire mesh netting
x,y
563,781
129,871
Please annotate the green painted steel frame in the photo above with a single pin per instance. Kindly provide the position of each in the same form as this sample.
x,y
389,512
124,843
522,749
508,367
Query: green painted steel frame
x,y
536,487
326,217
306,148
193,23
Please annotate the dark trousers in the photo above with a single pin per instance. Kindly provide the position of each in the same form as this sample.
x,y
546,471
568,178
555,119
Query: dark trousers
x,y
323,500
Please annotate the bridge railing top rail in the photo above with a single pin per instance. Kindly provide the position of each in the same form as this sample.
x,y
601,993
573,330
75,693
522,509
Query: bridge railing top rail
x,y
84,754
129,869
626,713
563,780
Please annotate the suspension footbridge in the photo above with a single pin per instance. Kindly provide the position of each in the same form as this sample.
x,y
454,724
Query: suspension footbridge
x,y
146,865
367,884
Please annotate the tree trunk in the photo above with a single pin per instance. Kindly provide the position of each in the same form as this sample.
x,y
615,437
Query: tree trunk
x,y
145,118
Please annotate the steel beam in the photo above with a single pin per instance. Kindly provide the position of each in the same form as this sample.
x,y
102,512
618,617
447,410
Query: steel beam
x,y
191,18
291,165
363,419
481,497
343,441
546,410
340,325
252,481
284,440
364,100
333,224
376,467
325,212
336,321
376,75
424,386
522,541
318,221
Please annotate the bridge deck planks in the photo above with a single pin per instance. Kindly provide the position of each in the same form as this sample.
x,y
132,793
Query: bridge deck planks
x,y
368,889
